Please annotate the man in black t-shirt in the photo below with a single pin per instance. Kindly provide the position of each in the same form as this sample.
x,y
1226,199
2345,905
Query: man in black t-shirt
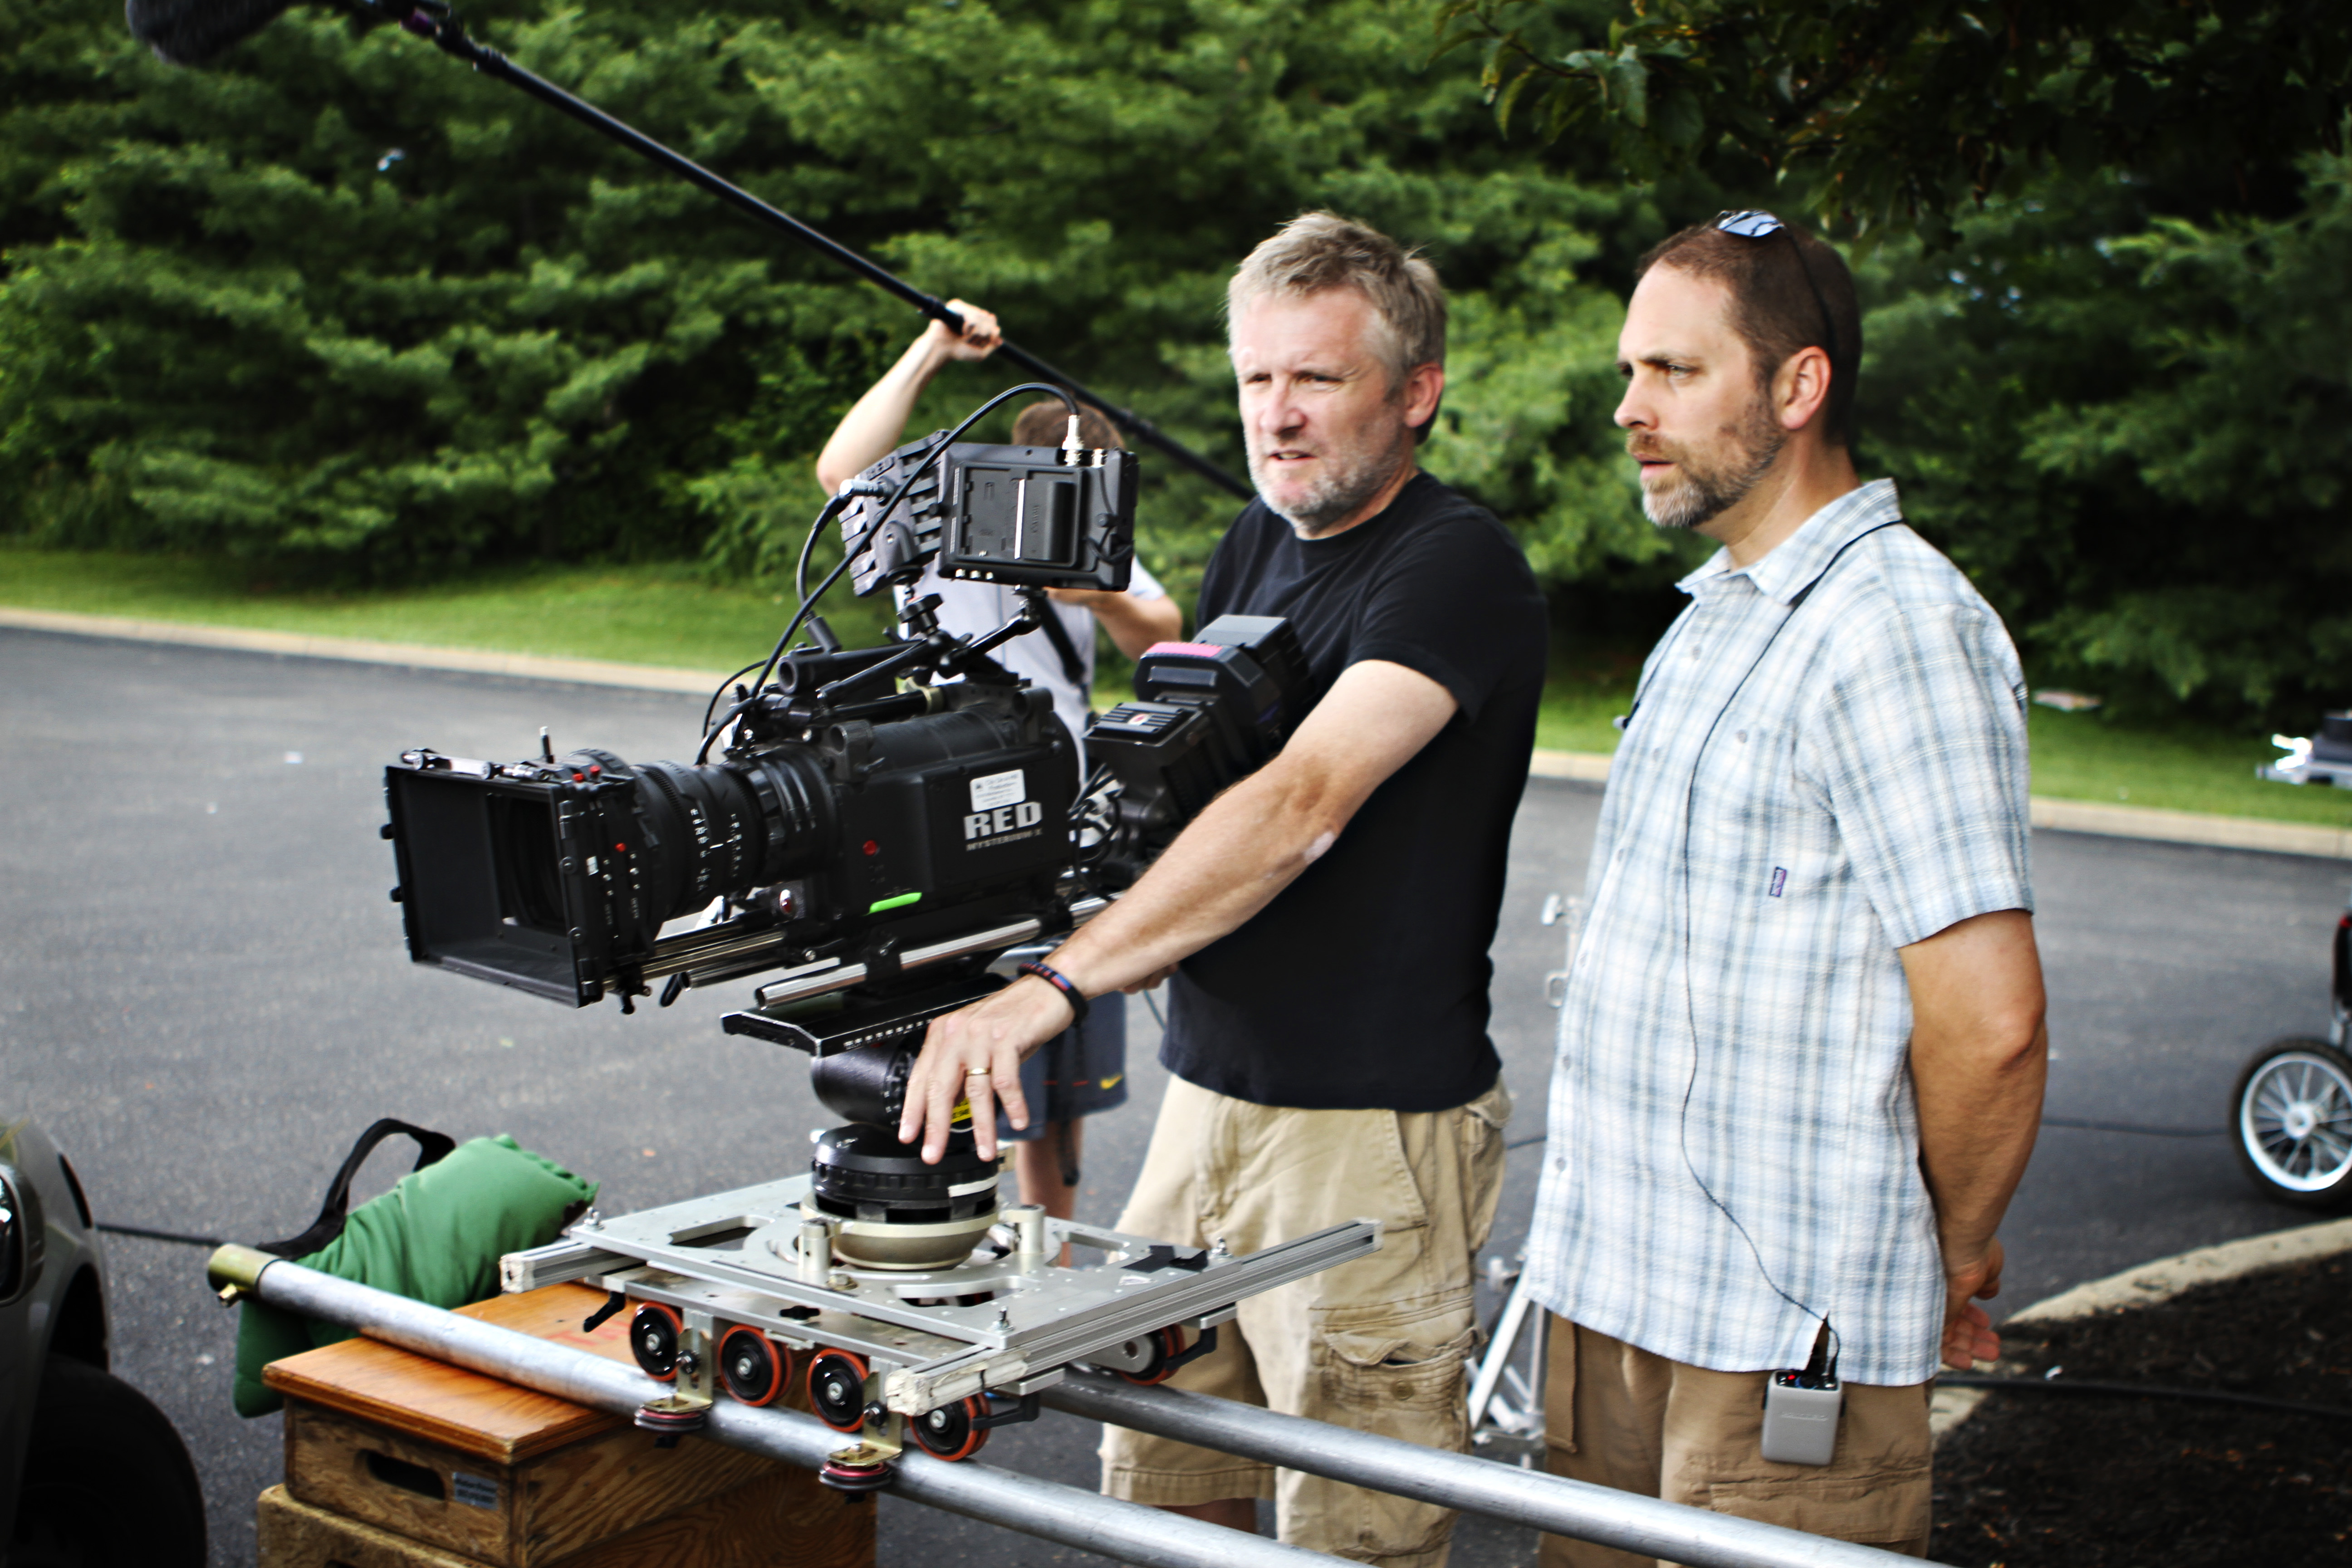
x,y
1326,921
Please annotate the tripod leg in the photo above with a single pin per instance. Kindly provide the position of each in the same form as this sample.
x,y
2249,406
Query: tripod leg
x,y
1508,1324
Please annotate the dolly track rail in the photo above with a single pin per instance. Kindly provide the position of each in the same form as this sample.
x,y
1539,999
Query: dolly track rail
x,y
1128,1532
1124,1530
1648,1527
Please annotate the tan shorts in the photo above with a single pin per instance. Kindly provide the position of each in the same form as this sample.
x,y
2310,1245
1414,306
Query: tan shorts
x,y
1378,1344
1623,1418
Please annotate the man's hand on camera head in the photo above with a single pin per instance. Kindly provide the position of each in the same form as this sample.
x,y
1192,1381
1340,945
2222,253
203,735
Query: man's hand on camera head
x,y
975,1053
979,338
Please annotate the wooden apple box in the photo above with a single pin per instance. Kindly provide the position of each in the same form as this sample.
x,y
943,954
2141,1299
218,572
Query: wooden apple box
x,y
395,1461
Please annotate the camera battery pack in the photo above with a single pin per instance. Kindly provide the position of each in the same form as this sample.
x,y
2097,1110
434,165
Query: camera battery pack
x,y
1801,1418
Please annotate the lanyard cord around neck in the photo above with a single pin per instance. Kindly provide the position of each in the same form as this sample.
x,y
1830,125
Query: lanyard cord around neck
x,y
1690,996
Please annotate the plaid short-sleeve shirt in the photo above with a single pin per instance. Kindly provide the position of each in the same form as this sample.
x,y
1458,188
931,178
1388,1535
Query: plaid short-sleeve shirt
x,y
1826,762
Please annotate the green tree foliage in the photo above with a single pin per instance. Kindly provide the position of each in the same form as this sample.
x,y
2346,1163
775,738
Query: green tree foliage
x,y
339,305
2110,353
336,299
1900,113
342,301
2135,434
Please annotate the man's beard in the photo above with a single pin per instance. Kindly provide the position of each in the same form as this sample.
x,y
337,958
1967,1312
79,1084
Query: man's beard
x,y
1353,474
1702,490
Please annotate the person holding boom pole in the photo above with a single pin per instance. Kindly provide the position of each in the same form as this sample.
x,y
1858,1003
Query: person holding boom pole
x,y
1083,1070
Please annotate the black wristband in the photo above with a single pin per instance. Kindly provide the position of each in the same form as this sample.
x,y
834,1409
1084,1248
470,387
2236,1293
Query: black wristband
x,y
1061,983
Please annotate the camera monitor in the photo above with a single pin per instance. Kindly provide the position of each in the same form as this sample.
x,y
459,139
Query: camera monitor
x,y
1032,517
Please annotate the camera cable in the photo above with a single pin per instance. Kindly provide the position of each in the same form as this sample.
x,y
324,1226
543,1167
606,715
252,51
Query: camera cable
x,y
2079,1124
2049,1385
809,601
831,507
172,1236
816,530
852,490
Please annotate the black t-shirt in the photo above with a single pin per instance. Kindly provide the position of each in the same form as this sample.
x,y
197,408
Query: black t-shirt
x,y
1364,984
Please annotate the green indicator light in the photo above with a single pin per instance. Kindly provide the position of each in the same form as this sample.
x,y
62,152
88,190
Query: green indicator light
x,y
901,902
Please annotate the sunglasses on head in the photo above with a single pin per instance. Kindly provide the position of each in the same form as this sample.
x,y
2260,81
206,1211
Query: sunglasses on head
x,y
1750,224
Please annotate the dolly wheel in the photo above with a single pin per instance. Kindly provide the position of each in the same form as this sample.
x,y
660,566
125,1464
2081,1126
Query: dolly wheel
x,y
952,1431
653,1339
1166,1345
754,1366
837,1389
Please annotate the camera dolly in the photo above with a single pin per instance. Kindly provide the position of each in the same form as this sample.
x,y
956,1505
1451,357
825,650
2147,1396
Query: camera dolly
x,y
740,1293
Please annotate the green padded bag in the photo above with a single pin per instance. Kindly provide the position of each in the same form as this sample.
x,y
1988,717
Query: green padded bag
x,y
436,1237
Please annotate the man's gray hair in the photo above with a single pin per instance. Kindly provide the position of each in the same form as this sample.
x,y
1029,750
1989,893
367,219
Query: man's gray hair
x,y
1320,250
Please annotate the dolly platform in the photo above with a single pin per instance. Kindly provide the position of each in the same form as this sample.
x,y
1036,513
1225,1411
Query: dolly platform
x,y
741,1292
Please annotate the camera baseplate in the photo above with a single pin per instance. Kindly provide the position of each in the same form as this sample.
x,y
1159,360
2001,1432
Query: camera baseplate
x,y
926,1348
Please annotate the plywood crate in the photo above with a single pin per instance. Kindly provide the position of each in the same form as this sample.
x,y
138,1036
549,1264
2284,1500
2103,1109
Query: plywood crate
x,y
482,1471
756,1526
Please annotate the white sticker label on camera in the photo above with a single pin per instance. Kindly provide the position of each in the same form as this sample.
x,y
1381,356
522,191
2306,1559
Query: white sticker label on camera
x,y
999,789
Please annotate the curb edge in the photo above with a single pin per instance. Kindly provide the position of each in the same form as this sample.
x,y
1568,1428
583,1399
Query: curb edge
x,y
2149,1283
360,650
2148,823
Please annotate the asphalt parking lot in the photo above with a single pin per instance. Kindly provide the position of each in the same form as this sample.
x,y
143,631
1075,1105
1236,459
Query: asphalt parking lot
x,y
204,999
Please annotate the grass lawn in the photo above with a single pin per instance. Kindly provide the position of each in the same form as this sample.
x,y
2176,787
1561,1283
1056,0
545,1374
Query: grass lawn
x,y
2180,767
664,614
671,613
2076,756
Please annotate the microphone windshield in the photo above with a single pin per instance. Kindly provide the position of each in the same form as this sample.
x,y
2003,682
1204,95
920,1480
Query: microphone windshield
x,y
189,32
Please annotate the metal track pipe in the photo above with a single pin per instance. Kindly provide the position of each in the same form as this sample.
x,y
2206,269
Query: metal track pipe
x,y
1649,1527
1125,1531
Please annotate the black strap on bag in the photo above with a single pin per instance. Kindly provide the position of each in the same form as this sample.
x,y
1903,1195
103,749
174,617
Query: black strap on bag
x,y
430,1147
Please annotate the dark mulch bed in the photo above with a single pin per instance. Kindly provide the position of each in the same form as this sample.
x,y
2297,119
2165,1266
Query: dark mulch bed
x,y
2086,1480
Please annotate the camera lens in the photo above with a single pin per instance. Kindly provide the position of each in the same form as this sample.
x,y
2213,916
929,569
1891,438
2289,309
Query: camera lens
x,y
721,827
705,831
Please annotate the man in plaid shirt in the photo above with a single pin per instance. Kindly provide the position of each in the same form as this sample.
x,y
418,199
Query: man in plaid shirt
x,y
1801,1051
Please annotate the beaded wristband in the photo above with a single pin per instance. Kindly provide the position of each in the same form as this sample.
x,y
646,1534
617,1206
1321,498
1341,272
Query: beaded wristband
x,y
1061,983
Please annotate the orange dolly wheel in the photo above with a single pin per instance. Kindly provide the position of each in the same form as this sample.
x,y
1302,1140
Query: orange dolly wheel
x,y
952,1431
1166,1345
837,1389
653,1339
753,1367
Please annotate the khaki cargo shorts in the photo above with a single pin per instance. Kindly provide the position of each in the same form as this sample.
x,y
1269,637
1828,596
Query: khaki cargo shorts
x,y
1379,1344
1619,1416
